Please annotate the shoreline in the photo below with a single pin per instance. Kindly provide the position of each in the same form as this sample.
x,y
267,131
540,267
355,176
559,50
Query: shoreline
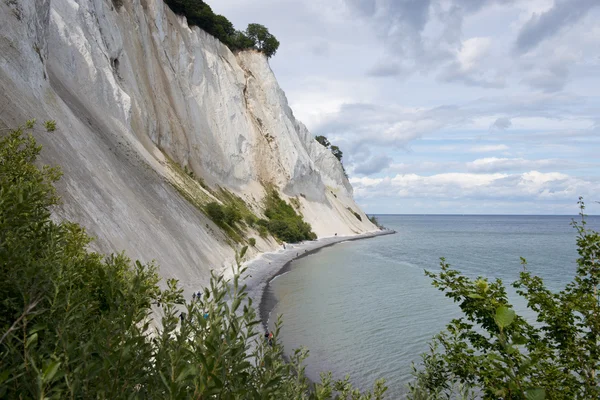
x,y
267,266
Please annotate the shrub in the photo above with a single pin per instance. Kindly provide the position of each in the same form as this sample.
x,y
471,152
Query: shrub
x,y
495,352
263,231
284,223
337,152
231,215
323,141
357,215
262,222
216,212
252,242
250,220
76,324
375,221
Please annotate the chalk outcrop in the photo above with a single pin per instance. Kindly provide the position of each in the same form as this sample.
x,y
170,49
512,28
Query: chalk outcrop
x,y
139,96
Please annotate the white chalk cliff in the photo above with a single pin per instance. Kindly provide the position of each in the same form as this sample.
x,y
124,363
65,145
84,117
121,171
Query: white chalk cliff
x,y
136,94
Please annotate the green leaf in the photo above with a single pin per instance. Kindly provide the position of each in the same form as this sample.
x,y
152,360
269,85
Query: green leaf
x,y
50,370
243,251
187,371
32,339
475,296
535,394
4,375
504,316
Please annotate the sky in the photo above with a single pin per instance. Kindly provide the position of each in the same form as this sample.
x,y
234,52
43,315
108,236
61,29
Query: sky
x,y
446,106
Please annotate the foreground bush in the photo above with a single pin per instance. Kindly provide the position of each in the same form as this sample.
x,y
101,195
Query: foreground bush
x,y
495,353
76,324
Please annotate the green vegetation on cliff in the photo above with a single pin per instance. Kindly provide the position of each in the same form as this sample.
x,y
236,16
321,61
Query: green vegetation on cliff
x,y
199,14
284,223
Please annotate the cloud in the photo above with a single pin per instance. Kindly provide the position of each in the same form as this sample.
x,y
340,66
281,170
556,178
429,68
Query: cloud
x,y
549,79
467,67
365,7
384,70
489,165
542,26
501,123
372,165
488,148
527,186
493,164
426,36
373,125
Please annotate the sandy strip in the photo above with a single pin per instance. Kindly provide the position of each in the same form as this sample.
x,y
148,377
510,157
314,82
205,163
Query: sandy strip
x,y
262,269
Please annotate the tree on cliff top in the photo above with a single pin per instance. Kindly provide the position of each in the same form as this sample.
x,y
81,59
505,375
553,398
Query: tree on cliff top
x,y
199,14
323,141
264,41
337,152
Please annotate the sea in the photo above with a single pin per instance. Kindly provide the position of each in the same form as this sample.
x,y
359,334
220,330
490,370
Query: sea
x,y
365,308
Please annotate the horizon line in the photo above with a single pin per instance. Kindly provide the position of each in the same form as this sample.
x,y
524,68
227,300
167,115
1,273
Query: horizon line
x,y
488,215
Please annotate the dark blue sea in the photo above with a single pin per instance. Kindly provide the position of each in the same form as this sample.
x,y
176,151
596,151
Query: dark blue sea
x,y
364,308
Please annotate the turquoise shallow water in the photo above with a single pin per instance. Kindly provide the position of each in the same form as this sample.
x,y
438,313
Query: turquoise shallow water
x,y
365,308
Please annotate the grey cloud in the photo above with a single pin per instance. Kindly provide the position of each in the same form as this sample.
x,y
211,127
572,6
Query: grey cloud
x,y
453,73
373,165
401,26
501,123
366,124
542,26
365,7
384,70
552,79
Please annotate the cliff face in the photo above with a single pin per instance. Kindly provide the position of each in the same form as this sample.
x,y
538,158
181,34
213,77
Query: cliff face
x,y
138,96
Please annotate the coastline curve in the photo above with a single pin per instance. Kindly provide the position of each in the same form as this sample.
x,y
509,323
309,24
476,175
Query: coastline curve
x,y
268,266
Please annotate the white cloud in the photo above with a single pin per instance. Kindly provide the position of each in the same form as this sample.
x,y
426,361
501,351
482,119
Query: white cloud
x,y
528,186
494,164
472,51
489,148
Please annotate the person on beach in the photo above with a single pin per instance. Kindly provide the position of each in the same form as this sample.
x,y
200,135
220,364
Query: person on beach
x,y
270,338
